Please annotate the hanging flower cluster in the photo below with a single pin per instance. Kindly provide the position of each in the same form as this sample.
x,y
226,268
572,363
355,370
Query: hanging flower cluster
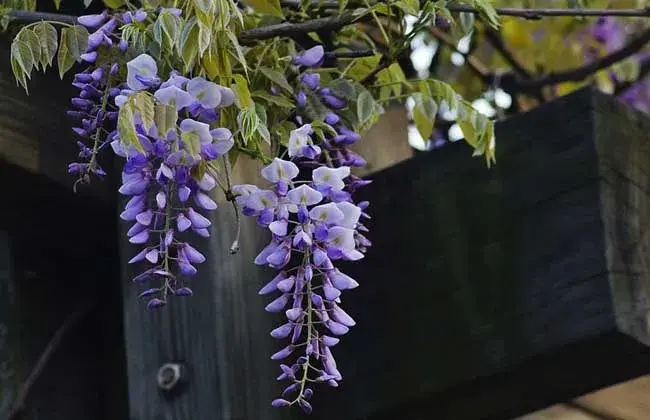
x,y
313,223
96,86
166,199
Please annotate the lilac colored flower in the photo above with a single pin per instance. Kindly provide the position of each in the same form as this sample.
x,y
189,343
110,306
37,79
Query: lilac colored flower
x,y
312,57
205,92
173,95
331,177
280,171
311,80
304,195
202,130
142,72
93,21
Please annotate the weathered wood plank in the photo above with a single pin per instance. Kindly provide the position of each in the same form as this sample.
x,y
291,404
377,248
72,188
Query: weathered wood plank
x,y
63,254
9,325
497,274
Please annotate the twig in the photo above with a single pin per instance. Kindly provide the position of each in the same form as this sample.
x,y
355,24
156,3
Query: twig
x,y
504,11
494,38
350,54
535,14
288,29
474,63
27,16
582,72
51,347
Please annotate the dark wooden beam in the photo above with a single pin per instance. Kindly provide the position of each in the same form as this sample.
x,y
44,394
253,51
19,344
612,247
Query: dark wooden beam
x,y
63,254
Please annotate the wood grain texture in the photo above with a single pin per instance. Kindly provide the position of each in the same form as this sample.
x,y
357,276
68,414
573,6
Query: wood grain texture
x,y
9,325
63,252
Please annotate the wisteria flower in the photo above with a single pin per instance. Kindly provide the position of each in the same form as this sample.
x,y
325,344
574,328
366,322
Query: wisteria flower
x,y
142,72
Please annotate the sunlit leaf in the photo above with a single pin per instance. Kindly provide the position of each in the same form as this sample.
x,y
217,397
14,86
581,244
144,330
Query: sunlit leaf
x,y
74,42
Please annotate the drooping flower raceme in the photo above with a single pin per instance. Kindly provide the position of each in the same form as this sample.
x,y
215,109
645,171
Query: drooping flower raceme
x,y
166,199
313,224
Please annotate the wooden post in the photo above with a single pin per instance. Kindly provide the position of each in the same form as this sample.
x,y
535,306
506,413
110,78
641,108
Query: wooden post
x,y
60,297
9,342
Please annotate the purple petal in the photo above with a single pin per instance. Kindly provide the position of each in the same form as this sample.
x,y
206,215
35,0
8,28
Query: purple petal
x,y
277,304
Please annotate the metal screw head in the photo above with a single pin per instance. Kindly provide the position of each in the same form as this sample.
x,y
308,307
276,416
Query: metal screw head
x,y
169,375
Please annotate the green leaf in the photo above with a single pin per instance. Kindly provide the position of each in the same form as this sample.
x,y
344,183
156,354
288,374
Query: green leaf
x,y
247,120
469,133
74,42
189,43
278,100
142,104
424,114
410,7
114,4
466,22
47,37
205,35
314,108
238,50
191,142
365,107
394,79
19,74
627,70
242,94
126,127
28,36
363,66
165,118
487,12
167,30
271,7
342,88
276,77
22,58
205,6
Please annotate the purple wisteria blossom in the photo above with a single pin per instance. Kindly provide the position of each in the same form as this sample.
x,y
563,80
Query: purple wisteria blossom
x,y
611,34
314,223
166,199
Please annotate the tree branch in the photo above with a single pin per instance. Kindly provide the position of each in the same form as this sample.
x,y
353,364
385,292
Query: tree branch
x,y
494,38
504,11
350,54
349,18
474,63
52,346
582,72
288,29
